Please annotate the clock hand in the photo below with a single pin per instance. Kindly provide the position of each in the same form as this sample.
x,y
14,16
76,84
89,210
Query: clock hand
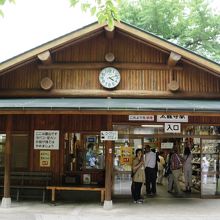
x,y
111,79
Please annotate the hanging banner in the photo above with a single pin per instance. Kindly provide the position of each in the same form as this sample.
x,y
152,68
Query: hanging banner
x,y
46,140
126,156
172,118
172,128
44,158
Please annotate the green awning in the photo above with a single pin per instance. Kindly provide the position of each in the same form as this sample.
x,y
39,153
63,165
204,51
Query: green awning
x,y
110,104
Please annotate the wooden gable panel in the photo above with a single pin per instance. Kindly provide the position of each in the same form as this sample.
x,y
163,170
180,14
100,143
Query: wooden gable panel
x,y
25,81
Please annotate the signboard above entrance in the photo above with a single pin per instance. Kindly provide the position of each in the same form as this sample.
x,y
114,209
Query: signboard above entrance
x,y
109,135
172,118
172,128
167,145
141,117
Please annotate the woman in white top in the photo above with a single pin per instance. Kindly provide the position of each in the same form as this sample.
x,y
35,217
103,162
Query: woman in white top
x,y
187,169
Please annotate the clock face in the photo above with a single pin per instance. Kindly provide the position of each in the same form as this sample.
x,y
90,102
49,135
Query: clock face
x,y
109,77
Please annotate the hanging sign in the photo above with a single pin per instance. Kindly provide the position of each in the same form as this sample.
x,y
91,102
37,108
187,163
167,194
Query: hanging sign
x,y
44,158
172,128
141,117
126,156
172,118
46,140
167,145
109,135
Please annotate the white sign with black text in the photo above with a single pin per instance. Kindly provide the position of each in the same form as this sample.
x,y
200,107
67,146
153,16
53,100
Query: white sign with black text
x,y
109,135
141,117
46,140
167,145
172,128
172,118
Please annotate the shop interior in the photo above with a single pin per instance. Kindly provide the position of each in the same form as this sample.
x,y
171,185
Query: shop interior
x,y
204,144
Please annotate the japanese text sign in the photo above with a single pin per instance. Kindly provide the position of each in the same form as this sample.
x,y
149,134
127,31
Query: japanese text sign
x,y
46,140
172,118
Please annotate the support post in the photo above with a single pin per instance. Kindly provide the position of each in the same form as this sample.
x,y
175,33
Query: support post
x,y
6,200
108,167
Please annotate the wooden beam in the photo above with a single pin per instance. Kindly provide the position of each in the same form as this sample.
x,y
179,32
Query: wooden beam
x,y
106,93
100,65
45,57
173,59
108,163
109,34
6,201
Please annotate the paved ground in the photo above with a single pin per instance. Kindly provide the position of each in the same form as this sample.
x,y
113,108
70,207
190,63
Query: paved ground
x,y
157,208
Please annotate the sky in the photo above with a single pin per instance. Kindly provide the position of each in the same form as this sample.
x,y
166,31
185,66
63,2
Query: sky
x,y
30,23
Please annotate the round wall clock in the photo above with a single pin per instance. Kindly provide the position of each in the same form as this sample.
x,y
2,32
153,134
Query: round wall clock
x,y
109,77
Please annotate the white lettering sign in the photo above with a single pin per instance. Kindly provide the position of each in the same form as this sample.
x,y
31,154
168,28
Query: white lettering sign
x,y
109,135
172,118
46,140
141,118
172,128
167,145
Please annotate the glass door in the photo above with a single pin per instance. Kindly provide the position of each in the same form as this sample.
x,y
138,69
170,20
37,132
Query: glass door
x,y
210,185
123,157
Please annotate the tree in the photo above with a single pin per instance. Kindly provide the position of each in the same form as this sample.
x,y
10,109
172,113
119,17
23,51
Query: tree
x,y
191,24
105,10
2,2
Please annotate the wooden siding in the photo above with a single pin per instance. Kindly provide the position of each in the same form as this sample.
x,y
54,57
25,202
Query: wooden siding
x,y
126,50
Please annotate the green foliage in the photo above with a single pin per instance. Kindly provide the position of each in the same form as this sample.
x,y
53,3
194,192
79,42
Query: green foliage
x,y
105,10
2,2
190,23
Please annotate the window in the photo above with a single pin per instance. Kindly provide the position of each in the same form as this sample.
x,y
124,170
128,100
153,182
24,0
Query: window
x,y
20,158
94,158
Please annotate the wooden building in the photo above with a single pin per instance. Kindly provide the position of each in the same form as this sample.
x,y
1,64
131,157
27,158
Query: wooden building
x,y
57,100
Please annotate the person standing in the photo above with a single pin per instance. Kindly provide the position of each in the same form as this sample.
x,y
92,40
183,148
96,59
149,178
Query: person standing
x,y
160,172
168,173
187,169
150,171
138,176
176,167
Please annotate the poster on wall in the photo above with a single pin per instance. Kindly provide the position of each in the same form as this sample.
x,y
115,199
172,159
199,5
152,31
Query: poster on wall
x,y
44,158
46,140
126,156
86,178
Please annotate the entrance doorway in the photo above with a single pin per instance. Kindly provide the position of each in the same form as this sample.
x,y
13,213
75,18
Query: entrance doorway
x,y
132,137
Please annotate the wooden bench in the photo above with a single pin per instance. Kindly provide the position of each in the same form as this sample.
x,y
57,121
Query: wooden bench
x,y
35,180
75,188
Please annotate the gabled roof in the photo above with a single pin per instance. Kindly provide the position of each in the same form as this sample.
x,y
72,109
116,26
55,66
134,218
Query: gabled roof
x,y
95,28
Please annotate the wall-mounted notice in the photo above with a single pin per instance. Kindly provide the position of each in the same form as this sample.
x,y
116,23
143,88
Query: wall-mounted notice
x,y
44,158
172,118
46,140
